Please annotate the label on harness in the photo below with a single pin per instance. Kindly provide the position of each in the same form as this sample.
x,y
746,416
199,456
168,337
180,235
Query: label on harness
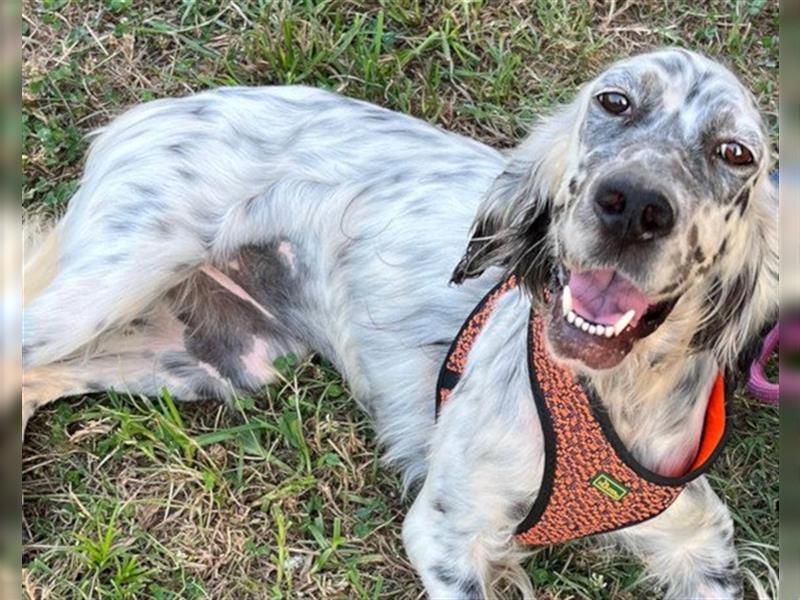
x,y
609,486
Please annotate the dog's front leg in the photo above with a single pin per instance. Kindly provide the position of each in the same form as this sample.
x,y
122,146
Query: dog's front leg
x,y
689,547
483,475
450,562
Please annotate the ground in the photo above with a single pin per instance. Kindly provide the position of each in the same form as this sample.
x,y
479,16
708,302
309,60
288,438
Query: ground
x,y
127,497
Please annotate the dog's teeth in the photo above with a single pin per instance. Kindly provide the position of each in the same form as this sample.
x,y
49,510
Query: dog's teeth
x,y
609,331
566,300
624,321
585,326
571,316
593,329
579,321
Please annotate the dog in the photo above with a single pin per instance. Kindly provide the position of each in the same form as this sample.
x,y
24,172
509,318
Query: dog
x,y
213,234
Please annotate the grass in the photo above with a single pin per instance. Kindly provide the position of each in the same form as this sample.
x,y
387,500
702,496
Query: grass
x,y
128,497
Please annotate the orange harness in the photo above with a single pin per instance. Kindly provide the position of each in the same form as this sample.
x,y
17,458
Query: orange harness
x,y
591,483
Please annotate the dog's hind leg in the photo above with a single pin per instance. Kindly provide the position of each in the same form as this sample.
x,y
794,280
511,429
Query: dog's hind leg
x,y
128,359
94,286
208,337
689,547
136,227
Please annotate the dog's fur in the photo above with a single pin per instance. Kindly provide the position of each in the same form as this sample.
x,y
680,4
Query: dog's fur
x,y
334,226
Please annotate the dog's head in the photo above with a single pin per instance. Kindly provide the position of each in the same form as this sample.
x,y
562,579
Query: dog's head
x,y
642,210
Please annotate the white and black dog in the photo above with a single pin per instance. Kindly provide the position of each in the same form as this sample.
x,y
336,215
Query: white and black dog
x,y
212,234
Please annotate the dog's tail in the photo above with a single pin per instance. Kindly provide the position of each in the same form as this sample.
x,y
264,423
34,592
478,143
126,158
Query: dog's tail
x,y
40,253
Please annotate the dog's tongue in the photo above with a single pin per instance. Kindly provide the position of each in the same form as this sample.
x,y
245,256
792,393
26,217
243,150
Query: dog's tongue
x,y
603,296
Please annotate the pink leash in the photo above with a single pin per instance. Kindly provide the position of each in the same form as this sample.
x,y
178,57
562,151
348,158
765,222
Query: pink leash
x,y
761,387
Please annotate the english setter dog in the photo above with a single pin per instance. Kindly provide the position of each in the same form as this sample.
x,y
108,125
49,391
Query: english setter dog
x,y
212,234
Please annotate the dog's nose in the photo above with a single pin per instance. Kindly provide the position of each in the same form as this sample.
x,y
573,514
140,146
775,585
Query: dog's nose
x,y
631,211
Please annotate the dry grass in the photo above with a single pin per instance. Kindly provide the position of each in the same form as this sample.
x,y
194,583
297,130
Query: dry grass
x,y
132,498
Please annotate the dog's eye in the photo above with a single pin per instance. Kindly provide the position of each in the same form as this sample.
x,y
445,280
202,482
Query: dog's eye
x,y
735,154
614,102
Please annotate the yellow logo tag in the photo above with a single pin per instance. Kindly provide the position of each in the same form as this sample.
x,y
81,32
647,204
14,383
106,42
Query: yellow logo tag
x,y
609,486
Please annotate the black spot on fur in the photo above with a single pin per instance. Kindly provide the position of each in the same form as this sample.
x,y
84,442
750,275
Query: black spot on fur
x,y
162,226
207,238
440,507
201,110
95,386
694,490
725,579
518,511
179,149
697,86
686,393
121,225
683,270
669,288
182,267
699,256
743,201
471,590
174,362
573,186
693,235
27,350
691,95
186,174
145,190
251,205
672,64
377,117
445,574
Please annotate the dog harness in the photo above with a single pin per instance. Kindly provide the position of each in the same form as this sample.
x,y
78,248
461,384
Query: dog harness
x,y
591,483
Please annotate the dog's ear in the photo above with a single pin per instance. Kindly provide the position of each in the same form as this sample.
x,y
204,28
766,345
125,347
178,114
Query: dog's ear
x,y
510,229
742,304
496,225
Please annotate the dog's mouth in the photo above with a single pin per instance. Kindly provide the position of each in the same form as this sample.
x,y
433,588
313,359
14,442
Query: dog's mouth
x,y
598,315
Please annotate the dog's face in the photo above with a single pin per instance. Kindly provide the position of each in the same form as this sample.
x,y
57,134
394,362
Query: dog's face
x,y
650,188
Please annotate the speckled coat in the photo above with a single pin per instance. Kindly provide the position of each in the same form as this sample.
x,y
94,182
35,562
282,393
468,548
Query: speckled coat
x,y
334,226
